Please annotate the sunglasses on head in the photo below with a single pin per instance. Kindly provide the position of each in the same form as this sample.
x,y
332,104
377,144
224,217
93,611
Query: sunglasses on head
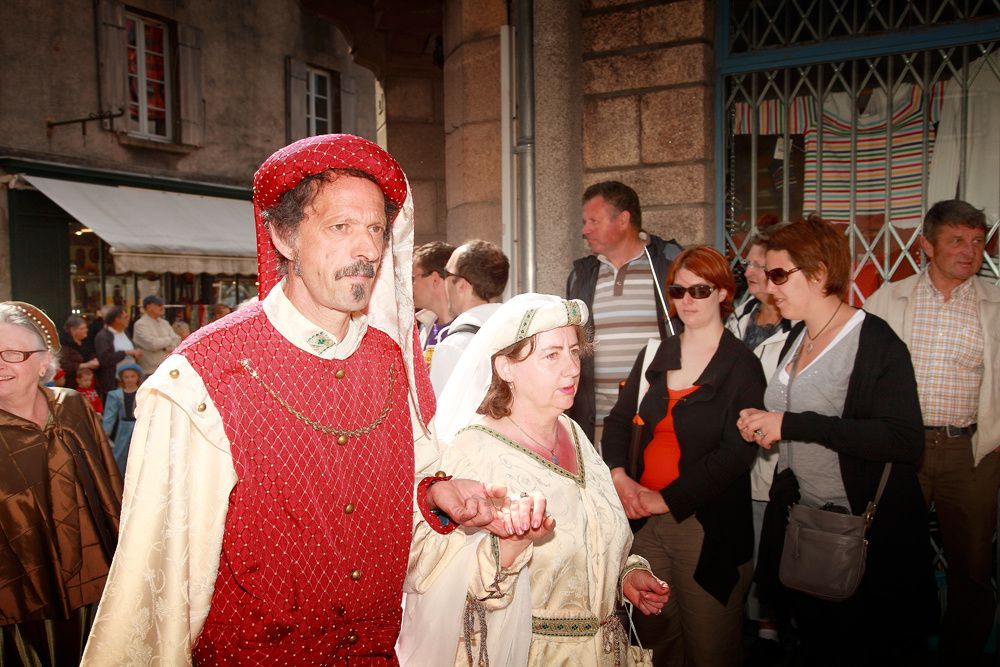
x,y
699,291
779,276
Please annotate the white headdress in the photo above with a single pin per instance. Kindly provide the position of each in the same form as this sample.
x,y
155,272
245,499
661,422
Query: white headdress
x,y
522,317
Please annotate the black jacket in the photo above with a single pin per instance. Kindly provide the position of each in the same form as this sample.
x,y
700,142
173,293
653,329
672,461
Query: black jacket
x,y
714,481
104,344
881,422
581,284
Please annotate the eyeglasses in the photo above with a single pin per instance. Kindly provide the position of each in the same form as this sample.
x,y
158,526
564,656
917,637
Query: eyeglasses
x,y
445,273
699,291
750,264
779,276
17,356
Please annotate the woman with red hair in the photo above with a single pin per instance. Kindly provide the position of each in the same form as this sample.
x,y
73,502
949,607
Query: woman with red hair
x,y
682,470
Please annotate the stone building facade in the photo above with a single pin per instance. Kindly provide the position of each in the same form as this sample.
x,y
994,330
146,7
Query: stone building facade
x,y
623,90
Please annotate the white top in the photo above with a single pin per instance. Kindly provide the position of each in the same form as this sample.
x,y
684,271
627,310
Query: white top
x,y
449,351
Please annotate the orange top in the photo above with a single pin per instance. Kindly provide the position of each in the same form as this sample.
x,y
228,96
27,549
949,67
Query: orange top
x,y
663,453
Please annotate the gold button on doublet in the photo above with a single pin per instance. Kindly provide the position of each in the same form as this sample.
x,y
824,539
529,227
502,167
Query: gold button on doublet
x,y
201,407
352,638
349,508
440,473
339,374
342,440
355,575
175,374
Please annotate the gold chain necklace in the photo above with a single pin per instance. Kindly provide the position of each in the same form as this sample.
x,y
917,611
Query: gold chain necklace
x,y
551,451
812,339
327,430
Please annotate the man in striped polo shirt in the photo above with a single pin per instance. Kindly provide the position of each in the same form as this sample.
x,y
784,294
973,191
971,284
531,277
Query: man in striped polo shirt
x,y
616,283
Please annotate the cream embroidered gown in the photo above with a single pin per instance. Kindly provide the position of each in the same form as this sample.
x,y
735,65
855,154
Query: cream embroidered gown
x,y
574,573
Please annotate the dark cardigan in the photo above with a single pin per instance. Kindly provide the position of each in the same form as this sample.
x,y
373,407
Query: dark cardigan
x,y
714,481
881,422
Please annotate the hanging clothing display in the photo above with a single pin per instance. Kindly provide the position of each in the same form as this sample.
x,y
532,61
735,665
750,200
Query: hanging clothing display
x,y
888,155
895,156
981,80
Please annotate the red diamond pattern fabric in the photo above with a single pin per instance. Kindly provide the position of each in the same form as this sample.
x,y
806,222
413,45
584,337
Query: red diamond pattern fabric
x,y
284,169
317,533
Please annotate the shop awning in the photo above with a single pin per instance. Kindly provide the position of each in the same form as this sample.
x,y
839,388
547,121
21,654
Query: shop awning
x,y
159,231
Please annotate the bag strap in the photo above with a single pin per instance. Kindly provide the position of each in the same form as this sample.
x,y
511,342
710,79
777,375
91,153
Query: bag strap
x,y
652,345
465,328
870,510
630,608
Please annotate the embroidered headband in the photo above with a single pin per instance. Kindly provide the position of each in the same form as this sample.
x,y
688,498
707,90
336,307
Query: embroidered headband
x,y
522,317
552,314
40,321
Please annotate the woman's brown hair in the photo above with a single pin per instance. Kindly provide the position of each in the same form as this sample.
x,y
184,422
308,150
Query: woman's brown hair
x,y
814,244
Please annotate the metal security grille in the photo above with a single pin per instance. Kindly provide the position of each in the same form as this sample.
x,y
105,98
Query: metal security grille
x,y
867,111
758,24
869,143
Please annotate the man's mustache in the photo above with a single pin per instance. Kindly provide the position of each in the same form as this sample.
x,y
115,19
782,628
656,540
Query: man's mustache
x,y
359,268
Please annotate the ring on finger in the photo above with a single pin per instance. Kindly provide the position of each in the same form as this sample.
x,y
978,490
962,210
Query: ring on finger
x,y
759,433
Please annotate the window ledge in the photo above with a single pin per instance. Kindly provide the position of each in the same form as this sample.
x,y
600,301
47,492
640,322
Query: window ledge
x,y
165,146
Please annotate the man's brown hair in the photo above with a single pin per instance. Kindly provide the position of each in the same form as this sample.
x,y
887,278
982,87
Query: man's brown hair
x,y
485,267
952,212
432,257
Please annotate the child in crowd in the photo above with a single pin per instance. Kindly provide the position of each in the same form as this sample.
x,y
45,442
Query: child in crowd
x,y
119,415
85,385
58,380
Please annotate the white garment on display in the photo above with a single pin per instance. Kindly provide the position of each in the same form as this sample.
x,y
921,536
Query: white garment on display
x,y
982,139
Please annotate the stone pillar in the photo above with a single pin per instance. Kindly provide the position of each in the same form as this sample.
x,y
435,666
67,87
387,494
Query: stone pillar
x,y
558,131
414,106
472,118
6,289
647,118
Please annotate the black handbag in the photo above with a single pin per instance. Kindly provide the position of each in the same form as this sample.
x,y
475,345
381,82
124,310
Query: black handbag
x,y
824,552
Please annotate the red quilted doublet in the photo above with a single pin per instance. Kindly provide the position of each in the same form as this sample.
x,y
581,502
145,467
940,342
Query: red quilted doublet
x,y
317,534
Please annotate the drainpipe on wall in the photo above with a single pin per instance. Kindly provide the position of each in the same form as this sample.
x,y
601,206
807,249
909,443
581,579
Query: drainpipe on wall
x,y
525,148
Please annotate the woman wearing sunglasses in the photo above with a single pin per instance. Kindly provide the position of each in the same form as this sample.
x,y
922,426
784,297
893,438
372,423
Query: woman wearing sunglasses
x,y
691,488
843,403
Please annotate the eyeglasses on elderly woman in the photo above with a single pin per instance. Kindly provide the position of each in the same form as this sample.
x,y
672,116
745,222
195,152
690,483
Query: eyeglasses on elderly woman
x,y
779,276
699,291
17,356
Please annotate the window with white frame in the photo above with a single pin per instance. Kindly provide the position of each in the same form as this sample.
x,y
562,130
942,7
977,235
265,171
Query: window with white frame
x,y
322,101
149,78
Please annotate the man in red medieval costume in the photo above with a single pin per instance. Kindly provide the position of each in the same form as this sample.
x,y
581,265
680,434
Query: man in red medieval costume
x,y
269,505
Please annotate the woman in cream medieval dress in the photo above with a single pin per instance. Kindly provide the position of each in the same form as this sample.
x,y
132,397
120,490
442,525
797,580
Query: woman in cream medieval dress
x,y
548,594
